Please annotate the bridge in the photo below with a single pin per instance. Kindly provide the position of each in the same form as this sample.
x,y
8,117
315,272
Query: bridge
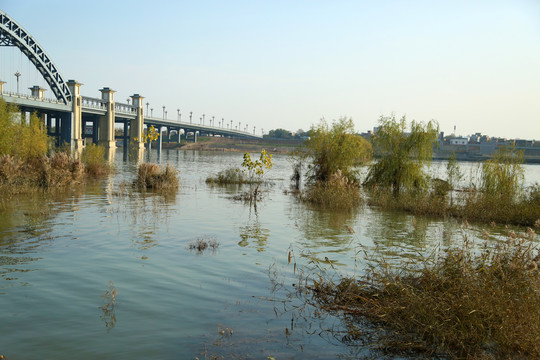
x,y
71,117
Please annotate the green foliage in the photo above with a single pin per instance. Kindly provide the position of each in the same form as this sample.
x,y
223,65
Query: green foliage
x,y
254,170
333,148
151,135
502,177
93,157
23,139
279,134
401,153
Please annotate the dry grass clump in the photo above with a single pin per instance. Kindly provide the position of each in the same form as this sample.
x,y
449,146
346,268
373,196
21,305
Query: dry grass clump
x,y
465,303
152,176
60,169
338,193
53,171
202,244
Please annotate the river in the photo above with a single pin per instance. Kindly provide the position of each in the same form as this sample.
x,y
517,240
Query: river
x,y
61,252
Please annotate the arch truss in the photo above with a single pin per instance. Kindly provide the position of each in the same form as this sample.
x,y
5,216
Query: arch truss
x,y
12,34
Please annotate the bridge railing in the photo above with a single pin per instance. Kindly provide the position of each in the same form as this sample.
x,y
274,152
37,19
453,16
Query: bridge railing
x,y
94,102
125,108
30,97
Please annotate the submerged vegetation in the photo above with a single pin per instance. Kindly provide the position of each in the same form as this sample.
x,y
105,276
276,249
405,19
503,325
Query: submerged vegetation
x,y
333,148
464,303
26,159
252,172
93,158
402,154
332,154
152,176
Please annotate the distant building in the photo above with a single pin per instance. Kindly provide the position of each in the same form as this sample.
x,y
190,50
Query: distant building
x,y
459,141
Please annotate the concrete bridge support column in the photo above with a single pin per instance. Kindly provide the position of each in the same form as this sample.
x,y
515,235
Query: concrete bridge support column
x,y
137,126
76,116
160,139
106,122
65,128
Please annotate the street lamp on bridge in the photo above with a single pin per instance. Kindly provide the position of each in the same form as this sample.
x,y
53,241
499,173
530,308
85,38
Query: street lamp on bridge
x,y
128,100
190,114
151,112
203,119
17,75
178,111
163,111
147,103
222,120
165,114
213,123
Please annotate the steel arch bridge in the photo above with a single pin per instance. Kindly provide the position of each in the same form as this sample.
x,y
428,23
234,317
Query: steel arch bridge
x,y
12,34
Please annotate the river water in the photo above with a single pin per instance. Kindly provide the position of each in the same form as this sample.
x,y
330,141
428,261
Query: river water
x,y
61,253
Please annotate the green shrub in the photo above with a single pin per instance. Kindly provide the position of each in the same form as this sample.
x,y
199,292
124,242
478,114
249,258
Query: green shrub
x,y
93,157
334,148
26,140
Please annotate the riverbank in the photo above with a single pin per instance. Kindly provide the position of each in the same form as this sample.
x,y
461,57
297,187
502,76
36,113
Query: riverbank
x,y
274,146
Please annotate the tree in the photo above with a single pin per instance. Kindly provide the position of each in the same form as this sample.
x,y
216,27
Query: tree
x,y
401,154
21,138
333,148
502,177
279,134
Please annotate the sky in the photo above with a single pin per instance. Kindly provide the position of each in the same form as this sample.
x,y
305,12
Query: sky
x,y
472,64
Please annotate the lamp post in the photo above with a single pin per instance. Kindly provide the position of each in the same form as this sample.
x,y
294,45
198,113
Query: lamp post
x,y
147,104
128,100
203,119
254,130
163,111
178,111
231,124
190,115
213,123
165,114
17,75
222,120
151,112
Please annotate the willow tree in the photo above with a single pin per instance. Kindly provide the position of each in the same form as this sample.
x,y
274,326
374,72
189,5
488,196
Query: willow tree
x,y
402,154
23,139
334,147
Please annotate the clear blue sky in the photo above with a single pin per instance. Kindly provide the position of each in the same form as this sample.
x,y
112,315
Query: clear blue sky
x,y
286,64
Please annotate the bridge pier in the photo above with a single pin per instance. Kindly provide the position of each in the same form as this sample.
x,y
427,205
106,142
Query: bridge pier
x,y
137,125
77,143
106,122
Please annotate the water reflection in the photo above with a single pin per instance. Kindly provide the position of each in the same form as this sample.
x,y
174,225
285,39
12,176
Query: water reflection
x,y
254,234
108,308
325,233
146,213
